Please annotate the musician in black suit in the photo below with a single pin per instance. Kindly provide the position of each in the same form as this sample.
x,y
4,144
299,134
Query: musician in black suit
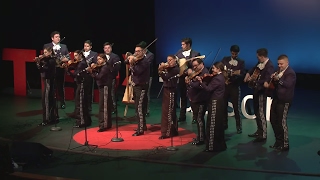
x,y
114,64
150,57
284,81
62,53
198,97
185,52
84,88
101,72
47,65
91,57
235,68
140,73
256,77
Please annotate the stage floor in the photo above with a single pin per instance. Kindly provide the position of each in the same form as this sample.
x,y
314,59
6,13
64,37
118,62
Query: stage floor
x,y
20,116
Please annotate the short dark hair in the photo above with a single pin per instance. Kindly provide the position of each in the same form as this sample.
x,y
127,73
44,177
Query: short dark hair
x,y
200,61
103,56
54,33
283,56
262,52
142,44
107,44
80,53
235,48
187,41
88,42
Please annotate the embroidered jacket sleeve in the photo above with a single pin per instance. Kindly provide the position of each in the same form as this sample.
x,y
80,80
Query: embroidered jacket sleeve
x,y
288,80
140,66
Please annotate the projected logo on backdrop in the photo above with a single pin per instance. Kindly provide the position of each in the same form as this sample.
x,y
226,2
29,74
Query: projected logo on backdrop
x,y
283,27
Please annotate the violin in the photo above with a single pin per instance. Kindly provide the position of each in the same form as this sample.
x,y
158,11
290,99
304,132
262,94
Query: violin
x,y
162,67
207,77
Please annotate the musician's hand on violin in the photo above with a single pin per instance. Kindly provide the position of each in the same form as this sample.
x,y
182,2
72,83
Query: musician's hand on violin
x,y
89,69
187,80
199,79
247,78
266,84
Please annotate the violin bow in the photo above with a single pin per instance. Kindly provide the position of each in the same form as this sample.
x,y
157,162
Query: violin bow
x,y
215,58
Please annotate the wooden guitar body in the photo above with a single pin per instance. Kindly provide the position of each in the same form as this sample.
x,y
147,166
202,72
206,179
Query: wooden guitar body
x,y
254,78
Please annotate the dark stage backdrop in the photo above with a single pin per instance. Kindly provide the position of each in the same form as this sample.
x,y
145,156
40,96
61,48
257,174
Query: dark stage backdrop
x,y
28,24
282,26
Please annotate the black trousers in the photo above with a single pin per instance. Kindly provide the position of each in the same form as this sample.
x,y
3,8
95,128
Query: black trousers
x,y
259,106
49,106
199,109
60,78
169,125
183,96
82,102
140,93
90,94
278,119
105,107
215,128
232,93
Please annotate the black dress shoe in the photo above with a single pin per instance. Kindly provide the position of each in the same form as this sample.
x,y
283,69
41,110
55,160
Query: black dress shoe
x,y
274,146
198,143
164,137
253,135
82,125
102,129
194,121
239,131
138,134
148,114
43,124
207,150
282,148
259,139
144,129
63,105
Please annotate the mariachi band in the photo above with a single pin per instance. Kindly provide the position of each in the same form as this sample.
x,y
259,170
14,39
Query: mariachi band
x,y
183,73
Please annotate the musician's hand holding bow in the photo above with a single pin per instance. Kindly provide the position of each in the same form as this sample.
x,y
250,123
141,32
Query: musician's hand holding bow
x,y
266,84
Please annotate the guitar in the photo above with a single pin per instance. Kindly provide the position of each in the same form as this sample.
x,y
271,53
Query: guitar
x,y
254,78
183,63
230,73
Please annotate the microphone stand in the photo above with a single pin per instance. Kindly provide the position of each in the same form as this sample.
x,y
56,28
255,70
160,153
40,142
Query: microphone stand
x,y
86,143
116,139
171,148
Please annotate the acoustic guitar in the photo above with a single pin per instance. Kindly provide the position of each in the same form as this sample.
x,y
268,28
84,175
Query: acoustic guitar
x,y
254,78
183,63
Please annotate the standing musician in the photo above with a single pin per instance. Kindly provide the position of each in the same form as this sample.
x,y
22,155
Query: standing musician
x,y
256,78
185,52
84,88
91,57
169,72
197,97
284,81
235,68
140,73
71,68
115,64
61,51
215,119
101,72
46,63
150,56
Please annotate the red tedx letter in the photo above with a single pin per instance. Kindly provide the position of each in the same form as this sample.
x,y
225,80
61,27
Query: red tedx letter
x,y
19,57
